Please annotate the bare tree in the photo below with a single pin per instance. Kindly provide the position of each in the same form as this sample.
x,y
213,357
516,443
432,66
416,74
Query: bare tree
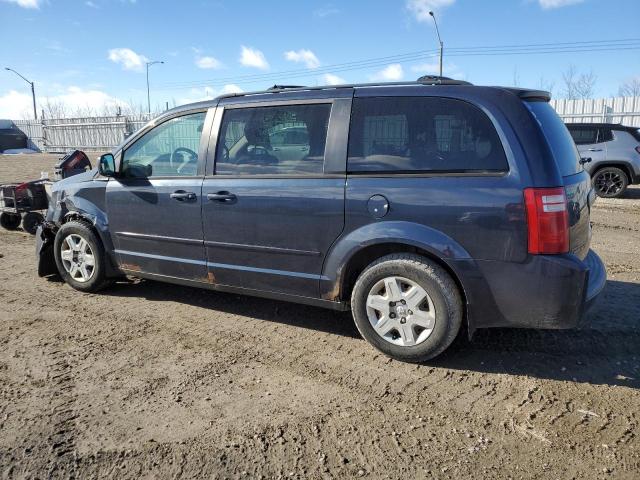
x,y
578,85
516,77
547,85
630,88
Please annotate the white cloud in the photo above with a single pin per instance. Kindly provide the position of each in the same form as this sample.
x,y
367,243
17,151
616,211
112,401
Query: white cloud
x,y
26,3
391,73
325,11
426,68
16,105
420,8
129,59
207,93
250,57
331,79
433,68
303,56
549,4
207,63
91,4
231,88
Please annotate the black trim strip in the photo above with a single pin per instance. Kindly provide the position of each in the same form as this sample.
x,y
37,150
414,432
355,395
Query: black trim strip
x,y
142,236
262,248
313,176
442,173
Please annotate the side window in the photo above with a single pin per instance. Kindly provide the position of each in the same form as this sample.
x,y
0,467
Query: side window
x,y
584,135
281,140
422,134
604,135
170,149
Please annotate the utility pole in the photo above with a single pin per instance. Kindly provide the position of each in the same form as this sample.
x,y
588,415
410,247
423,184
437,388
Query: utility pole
x,y
148,94
439,39
33,91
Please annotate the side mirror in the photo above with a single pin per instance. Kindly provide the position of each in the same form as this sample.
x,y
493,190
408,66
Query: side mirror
x,y
107,165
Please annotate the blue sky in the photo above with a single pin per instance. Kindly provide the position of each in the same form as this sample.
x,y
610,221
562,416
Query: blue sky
x,y
86,54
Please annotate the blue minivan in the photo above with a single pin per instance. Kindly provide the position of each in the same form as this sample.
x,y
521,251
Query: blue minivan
x,y
427,208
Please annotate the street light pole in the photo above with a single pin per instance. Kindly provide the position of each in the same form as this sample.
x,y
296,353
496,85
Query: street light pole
x,y
148,94
439,39
33,90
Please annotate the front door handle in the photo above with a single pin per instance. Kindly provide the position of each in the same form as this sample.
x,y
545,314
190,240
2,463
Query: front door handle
x,y
595,149
181,196
224,197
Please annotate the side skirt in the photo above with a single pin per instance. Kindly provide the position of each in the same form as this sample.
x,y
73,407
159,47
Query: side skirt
x,y
210,285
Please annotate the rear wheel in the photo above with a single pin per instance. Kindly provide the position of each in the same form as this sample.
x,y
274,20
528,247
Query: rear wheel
x,y
30,222
407,307
80,257
610,182
10,221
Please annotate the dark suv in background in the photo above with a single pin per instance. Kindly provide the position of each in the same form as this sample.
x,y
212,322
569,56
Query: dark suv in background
x,y
424,207
614,151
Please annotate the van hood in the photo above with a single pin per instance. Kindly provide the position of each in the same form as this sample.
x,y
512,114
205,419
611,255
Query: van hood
x,y
76,179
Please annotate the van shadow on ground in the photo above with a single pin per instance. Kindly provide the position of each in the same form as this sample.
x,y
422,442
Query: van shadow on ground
x,y
607,353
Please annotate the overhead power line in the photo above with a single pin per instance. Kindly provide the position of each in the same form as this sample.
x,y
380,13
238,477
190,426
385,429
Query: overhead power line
x,y
490,50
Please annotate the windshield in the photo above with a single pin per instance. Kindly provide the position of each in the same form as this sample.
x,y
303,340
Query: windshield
x,y
562,146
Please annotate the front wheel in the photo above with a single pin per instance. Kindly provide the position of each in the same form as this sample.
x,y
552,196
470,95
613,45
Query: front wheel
x,y
610,182
407,306
80,257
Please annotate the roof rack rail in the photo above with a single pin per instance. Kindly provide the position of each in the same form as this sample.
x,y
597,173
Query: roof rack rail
x,y
425,80
437,80
277,88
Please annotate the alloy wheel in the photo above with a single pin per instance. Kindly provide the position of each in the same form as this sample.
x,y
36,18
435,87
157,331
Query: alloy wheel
x,y
609,183
401,311
77,258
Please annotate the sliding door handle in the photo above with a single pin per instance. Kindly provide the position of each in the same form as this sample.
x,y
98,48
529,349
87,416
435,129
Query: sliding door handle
x,y
181,196
223,197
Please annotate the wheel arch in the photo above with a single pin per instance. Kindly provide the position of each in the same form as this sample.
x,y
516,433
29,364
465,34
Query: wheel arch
x,y
96,221
626,167
352,254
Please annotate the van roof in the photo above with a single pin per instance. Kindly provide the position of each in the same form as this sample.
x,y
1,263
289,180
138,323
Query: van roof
x,y
427,81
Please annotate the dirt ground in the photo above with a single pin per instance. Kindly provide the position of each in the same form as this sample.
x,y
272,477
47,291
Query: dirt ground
x,y
148,380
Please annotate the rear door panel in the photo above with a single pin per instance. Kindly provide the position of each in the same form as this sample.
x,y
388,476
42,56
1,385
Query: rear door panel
x,y
274,235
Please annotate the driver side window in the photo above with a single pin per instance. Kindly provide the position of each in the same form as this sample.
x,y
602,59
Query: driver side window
x,y
168,150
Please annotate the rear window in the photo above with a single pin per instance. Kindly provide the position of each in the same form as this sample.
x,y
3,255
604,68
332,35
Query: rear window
x,y
422,134
583,135
555,131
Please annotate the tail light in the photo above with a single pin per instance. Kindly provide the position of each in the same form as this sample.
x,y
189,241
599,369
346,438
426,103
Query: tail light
x,y
548,220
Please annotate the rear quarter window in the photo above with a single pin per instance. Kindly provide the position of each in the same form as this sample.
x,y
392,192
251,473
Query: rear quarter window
x,y
422,134
563,148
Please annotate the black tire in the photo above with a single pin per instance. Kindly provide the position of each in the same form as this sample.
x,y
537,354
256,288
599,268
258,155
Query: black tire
x,y
97,279
10,221
30,222
610,182
435,281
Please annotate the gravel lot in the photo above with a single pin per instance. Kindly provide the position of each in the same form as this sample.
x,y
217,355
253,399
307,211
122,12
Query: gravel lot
x,y
150,380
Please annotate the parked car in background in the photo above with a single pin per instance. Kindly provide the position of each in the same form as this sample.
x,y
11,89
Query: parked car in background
x,y
614,151
11,137
423,207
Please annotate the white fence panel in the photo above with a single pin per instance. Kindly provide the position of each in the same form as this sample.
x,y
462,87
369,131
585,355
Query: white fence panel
x,y
625,110
104,133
